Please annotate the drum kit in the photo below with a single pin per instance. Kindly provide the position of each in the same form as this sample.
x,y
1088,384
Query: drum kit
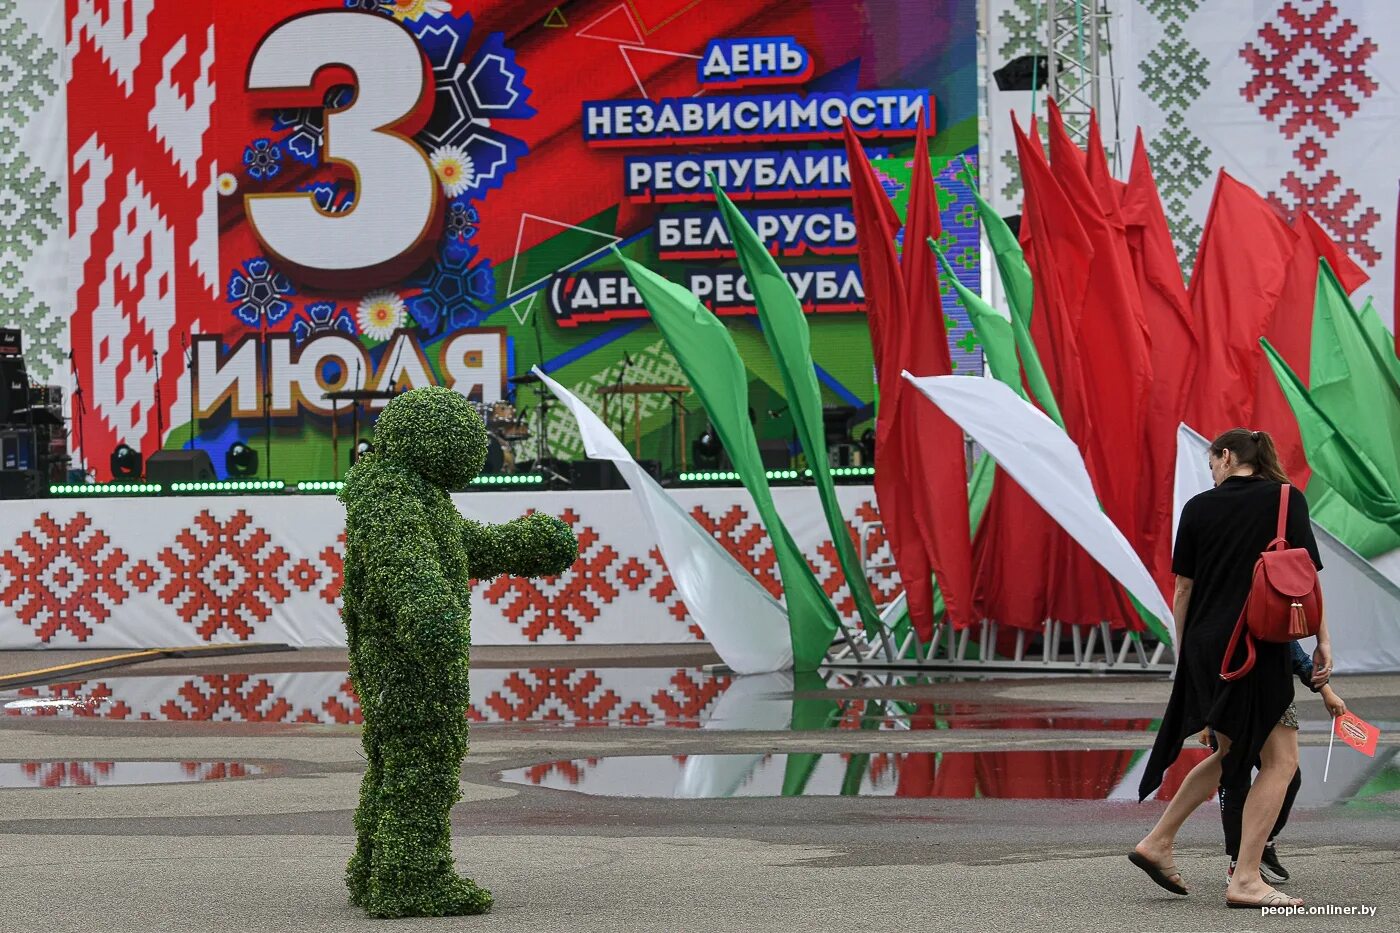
x,y
505,430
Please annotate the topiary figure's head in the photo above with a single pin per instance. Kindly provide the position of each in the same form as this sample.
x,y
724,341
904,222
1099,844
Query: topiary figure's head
x,y
436,433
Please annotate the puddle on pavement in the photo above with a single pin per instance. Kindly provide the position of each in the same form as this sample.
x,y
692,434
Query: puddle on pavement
x,y
51,774
1018,774
553,696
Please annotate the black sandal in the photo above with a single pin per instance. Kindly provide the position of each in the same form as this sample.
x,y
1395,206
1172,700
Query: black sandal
x,y
1161,874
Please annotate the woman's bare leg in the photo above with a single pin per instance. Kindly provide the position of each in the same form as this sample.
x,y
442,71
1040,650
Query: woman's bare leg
x,y
1277,763
1198,787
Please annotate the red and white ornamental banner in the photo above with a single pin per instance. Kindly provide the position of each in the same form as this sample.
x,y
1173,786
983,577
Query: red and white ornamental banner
x,y
1292,97
133,573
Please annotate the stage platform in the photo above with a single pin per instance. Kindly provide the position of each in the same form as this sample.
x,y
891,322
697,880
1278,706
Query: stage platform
x,y
263,564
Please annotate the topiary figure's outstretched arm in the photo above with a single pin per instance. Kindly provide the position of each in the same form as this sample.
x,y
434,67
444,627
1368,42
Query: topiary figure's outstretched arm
x,y
536,545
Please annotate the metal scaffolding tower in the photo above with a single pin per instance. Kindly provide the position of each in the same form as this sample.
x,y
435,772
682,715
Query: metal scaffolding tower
x,y
1079,62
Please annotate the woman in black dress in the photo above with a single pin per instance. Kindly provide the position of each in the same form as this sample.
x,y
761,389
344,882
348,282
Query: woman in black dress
x,y
1219,538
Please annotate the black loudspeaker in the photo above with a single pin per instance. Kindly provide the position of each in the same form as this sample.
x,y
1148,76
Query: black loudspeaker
x,y
22,484
1026,73
14,382
603,474
775,455
180,466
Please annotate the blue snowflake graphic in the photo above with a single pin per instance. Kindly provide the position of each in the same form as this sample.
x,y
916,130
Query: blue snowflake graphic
x,y
462,221
454,294
306,126
259,291
470,96
322,318
263,158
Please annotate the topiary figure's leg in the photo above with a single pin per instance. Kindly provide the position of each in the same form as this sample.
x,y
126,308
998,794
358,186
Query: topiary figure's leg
x,y
357,873
412,873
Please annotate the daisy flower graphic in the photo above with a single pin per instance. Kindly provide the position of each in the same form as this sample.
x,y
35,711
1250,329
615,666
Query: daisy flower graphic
x,y
410,10
227,183
454,169
381,313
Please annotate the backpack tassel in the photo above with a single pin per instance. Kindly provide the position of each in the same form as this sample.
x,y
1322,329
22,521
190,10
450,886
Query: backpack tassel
x,y
1297,621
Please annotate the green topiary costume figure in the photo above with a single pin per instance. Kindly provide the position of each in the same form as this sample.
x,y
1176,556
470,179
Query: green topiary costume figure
x,y
409,555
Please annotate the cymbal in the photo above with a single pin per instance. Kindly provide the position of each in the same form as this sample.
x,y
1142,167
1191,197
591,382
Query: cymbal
x,y
358,395
522,379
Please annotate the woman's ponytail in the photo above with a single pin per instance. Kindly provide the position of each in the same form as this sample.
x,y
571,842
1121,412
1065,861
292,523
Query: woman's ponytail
x,y
1252,448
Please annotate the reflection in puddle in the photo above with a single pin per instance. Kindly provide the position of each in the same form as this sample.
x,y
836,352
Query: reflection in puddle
x,y
565,696
1061,774
1077,774
50,774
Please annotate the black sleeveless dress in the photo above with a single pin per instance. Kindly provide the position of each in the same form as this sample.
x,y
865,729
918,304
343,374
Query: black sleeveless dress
x,y
1218,542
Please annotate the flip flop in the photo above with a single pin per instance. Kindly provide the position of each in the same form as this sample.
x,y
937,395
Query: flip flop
x,y
1161,874
1272,899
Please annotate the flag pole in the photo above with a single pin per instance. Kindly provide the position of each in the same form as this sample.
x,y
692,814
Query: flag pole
x,y
1330,740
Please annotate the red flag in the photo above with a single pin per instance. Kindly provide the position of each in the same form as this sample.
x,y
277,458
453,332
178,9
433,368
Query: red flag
x,y
1060,255
932,443
886,308
1113,345
1239,274
1357,732
1172,332
1290,331
1109,189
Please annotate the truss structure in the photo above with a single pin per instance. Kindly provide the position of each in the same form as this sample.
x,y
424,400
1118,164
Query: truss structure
x,y
1061,648
1077,42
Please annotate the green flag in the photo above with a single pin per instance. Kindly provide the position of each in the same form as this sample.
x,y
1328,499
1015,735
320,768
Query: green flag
x,y
1333,457
790,343
993,327
1020,292
704,349
1350,381
1382,344
1356,531
1011,261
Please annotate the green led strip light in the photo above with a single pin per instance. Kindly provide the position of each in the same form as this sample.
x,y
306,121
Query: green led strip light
x,y
509,479
730,477
320,486
251,485
106,489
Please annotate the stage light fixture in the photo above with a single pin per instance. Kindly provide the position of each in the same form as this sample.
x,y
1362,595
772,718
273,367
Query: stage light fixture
x,y
362,448
707,447
125,462
241,460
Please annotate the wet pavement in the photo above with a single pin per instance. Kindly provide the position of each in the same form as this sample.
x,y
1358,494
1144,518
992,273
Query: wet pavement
x,y
602,793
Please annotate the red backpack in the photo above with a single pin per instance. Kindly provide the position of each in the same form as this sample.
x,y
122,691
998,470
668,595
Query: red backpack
x,y
1285,598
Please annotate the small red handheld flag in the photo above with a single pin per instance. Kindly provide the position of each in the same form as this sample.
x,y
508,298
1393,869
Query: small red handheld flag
x,y
1357,732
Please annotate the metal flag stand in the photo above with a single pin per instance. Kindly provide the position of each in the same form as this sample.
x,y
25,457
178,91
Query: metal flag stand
x,y
1092,647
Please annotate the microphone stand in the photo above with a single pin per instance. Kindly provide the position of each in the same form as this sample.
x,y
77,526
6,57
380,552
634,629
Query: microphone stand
x,y
81,406
542,451
266,396
160,408
190,368
622,368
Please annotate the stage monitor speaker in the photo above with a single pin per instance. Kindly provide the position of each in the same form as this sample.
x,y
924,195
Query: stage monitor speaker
x,y
22,484
775,454
180,466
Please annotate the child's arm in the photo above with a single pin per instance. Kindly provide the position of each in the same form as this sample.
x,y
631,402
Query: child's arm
x,y
1303,666
1335,704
